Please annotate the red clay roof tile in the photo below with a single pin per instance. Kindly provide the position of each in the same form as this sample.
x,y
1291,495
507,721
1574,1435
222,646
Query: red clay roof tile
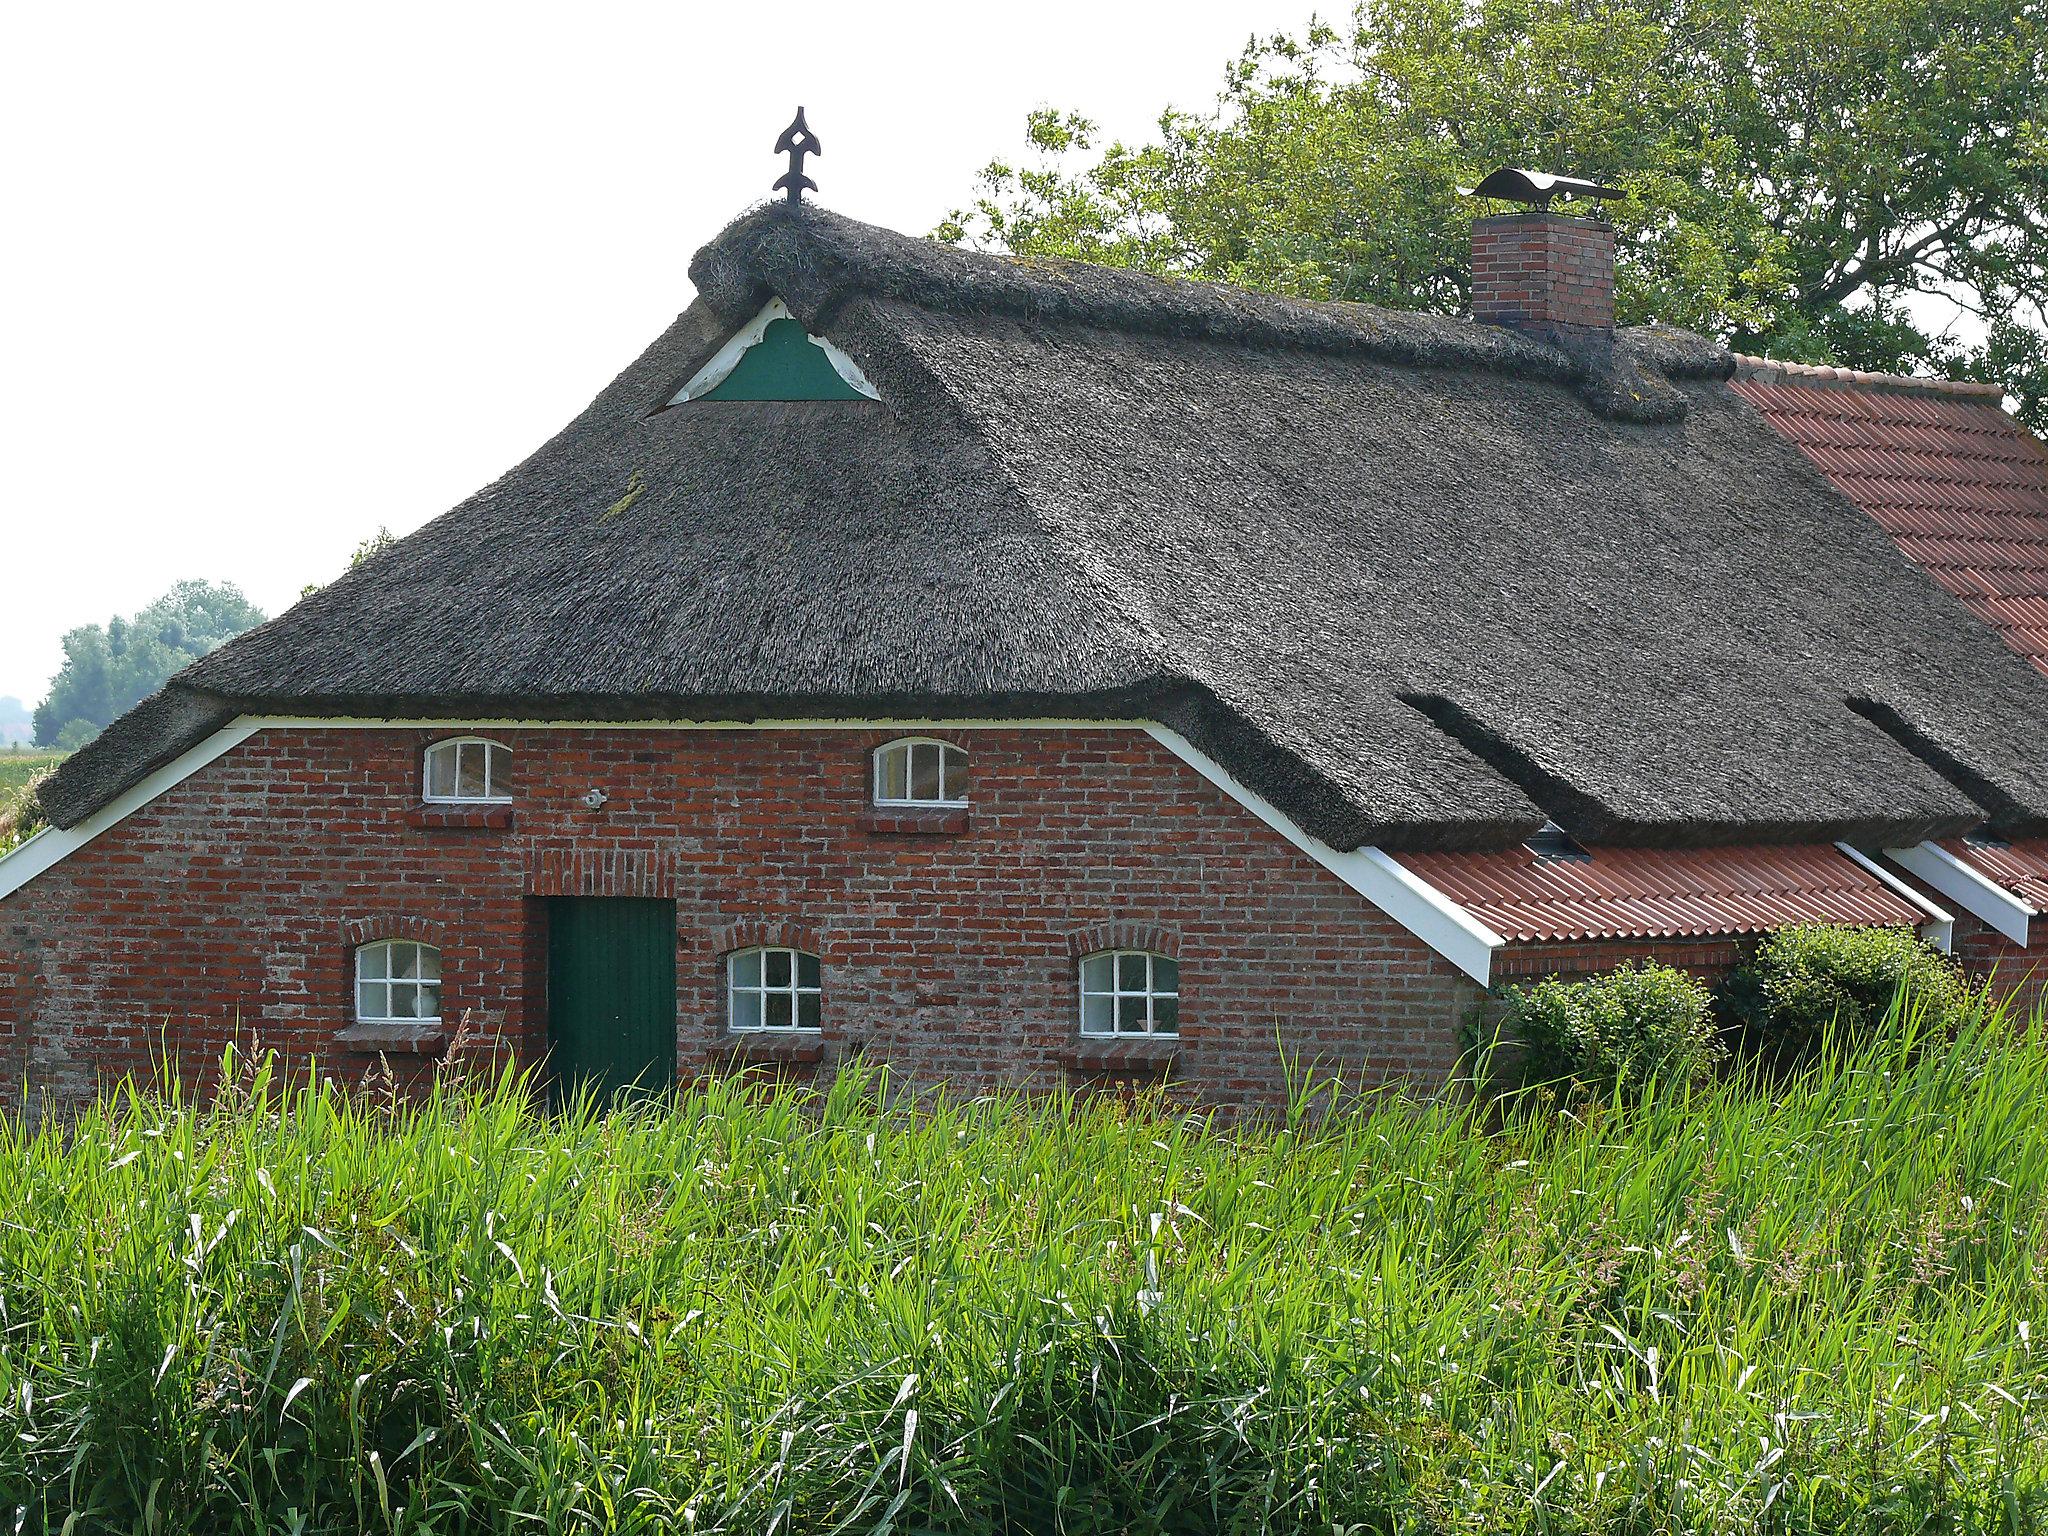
x,y
1656,893
1960,485
2021,867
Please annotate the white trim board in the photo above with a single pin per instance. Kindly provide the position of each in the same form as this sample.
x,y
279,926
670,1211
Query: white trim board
x,y
1399,892
53,845
1409,900
727,357
1940,927
1968,887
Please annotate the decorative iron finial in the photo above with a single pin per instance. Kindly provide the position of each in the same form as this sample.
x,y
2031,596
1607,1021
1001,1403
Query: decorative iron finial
x,y
796,142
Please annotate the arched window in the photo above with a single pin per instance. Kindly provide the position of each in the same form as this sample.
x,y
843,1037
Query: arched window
x,y
1130,992
466,769
398,979
773,989
919,771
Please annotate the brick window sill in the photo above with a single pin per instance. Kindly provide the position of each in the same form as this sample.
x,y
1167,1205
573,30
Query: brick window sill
x,y
796,1048
905,822
494,818
425,1039
1123,1058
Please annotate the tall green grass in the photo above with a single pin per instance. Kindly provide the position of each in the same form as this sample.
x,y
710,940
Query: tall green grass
x,y
19,767
1819,1310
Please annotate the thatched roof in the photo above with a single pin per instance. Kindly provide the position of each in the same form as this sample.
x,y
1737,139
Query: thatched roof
x,y
1412,578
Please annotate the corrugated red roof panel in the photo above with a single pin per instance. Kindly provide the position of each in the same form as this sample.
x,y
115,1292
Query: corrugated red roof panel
x,y
1660,893
2021,867
1959,484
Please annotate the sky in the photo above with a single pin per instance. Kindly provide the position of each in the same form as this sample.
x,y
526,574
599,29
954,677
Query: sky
x,y
277,275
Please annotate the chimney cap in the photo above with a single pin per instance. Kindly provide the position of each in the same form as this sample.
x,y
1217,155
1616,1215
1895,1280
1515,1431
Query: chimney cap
x,y
1537,188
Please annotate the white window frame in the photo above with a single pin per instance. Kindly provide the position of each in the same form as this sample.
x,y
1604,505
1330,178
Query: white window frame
x,y
761,991
1118,994
492,794
426,969
948,754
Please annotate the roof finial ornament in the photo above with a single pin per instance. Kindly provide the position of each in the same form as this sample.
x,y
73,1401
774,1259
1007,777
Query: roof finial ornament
x,y
796,142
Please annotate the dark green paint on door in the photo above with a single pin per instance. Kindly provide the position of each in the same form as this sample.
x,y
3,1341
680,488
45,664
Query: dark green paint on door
x,y
785,364
611,994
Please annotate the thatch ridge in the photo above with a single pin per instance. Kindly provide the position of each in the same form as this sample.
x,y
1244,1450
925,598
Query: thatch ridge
x,y
814,260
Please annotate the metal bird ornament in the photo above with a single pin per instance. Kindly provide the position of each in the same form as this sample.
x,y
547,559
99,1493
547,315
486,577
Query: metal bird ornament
x,y
797,141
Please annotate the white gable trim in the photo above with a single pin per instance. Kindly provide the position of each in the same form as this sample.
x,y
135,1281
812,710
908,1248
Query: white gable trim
x,y
53,845
727,357
1412,902
1940,927
1968,887
1403,895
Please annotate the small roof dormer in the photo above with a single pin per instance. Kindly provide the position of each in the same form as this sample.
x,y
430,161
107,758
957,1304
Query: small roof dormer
x,y
772,357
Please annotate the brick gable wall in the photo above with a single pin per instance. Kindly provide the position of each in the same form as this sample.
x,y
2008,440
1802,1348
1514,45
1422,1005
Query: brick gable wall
x,y
230,906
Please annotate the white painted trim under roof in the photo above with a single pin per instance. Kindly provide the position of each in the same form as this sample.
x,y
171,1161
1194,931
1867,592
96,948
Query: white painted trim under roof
x,y
727,357
1940,927
53,845
1405,897
1969,888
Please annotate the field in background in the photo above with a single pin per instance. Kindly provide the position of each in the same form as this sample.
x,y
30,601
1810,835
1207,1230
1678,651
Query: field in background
x,y
17,768
1818,1310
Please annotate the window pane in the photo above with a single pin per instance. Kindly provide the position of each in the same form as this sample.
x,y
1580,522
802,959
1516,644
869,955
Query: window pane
x,y
807,1010
469,771
1098,972
1097,1015
777,967
1130,973
895,773
369,1000
953,781
807,970
440,772
746,969
746,1010
429,962
405,959
1165,974
779,1010
430,1000
1166,1014
1130,1015
924,771
497,760
373,960
405,996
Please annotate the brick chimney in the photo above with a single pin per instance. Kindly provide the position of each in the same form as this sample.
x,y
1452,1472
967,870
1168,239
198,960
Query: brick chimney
x,y
1545,273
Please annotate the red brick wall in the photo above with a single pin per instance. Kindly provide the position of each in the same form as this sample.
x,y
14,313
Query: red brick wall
x,y
2015,973
1543,272
231,904
1707,958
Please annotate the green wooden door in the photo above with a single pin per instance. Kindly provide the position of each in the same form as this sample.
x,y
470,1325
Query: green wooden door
x,y
611,994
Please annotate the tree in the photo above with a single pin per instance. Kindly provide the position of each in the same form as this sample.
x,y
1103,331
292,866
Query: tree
x,y
367,549
1821,180
108,670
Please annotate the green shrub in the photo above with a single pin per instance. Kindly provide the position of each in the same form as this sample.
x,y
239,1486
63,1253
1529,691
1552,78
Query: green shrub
x,y
1806,982
20,816
1618,1030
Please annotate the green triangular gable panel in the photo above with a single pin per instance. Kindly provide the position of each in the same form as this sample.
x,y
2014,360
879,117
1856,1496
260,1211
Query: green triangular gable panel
x,y
785,364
